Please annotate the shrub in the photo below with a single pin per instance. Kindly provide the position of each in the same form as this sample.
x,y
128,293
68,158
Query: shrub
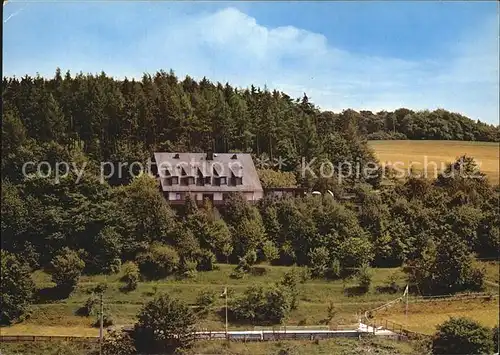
x,y
259,305
250,257
495,338
159,261
305,274
331,311
278,305
131,275
164,324
248,307
90,306
462,336
66,268
117,342
205,300
364,277
107,319
206,261
290,281
187,269
16,288
245,263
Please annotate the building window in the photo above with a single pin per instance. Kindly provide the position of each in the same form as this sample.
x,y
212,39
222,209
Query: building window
x,y
174,180
223,180
177,196
187,180
208,180
238,181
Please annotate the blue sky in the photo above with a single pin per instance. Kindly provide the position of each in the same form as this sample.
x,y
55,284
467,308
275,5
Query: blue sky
x,y
361,55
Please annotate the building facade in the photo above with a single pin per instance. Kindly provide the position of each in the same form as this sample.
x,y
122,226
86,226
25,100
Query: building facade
x,y
207,176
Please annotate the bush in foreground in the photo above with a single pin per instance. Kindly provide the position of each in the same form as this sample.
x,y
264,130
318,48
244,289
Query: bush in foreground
x,y
462,336
117,342
496,334
164,325
16,288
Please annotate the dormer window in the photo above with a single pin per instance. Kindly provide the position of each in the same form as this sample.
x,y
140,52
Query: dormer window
x,y
236,178
174,180
220,180
187,180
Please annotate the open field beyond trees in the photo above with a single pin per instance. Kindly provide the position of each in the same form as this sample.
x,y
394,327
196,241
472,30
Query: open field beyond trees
x,y
486,154
424,316
59,317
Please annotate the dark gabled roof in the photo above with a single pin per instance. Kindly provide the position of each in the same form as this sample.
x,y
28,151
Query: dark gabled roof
x,y
222,164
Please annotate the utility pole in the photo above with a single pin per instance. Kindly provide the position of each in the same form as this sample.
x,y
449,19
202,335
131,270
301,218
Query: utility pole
x,y
225,291
101,323
225,295
406,306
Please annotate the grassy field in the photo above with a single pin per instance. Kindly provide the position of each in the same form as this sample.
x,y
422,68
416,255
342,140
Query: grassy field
x,y
424,316
51,316
323,347
440,152
492,271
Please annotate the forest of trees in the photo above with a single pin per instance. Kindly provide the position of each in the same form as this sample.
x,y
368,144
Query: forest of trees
x,y
125,120
432,228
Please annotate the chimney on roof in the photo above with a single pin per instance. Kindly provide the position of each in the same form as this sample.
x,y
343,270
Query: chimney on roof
x,y
176,156
210,155
234,156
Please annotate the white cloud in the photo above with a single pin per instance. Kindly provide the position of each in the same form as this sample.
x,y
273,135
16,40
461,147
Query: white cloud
x,y
228,45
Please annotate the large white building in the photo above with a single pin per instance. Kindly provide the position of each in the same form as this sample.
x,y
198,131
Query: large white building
x,y
207,176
